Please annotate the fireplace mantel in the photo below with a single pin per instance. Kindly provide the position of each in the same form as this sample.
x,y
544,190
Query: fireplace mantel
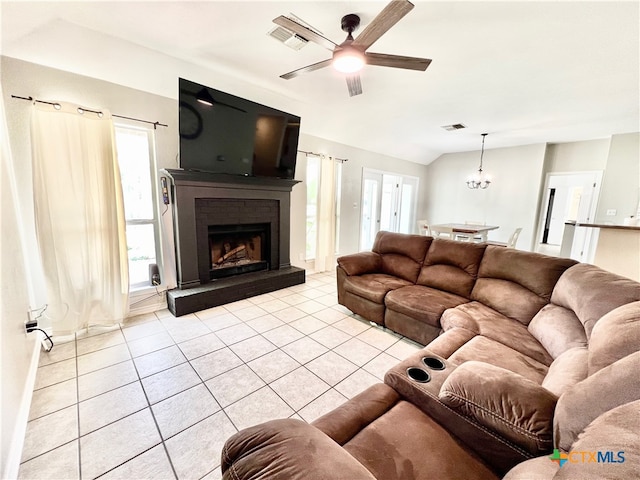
x,y
192,189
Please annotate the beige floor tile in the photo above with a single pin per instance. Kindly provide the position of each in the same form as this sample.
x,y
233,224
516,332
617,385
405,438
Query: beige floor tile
x,y
323,404
215,363
239,305
152,464
211,312
53,398
102,358
221,321
196,451
355,383
215,474
331,367
110,407
265,323
140,319
201,345
250,313
49,432
62,351
310,306
304,350
98,342
169,382
274,305
283,335
328,300
289,314
330,337
299,388
183,410
357,351
59,463
379,365
379,338
55,373
312,293
351,326
110,446
294,299
106,379
231,386
329,315
252,348
139,330
261,299
343,309
308,324
236,334
273,365
403,348
260,406
188,330
157,361
149,344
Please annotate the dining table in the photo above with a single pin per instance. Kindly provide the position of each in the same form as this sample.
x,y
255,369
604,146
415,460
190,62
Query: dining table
x,y
464,231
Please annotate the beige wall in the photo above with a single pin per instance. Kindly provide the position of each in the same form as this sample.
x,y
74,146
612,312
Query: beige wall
x,y
577,156
511,201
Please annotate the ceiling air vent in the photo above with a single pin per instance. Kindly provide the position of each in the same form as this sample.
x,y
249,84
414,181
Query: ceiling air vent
x,y
289,38
455,126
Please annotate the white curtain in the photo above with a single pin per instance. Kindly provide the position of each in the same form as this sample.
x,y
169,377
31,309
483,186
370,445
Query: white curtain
x,y
79,214
326,246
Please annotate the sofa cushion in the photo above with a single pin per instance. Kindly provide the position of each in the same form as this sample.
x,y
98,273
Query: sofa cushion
x,y
517,283
517,408
557,329
422,303
373,286
287,450
567,370
616,335
451,266
485,321
360,263
407,444
592,292
484,349
401,255
584,402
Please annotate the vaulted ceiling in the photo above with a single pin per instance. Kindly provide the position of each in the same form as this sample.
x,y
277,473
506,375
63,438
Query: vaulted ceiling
x,y
524,71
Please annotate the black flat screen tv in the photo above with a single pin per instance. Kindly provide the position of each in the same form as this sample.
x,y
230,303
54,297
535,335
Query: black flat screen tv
x,y
222,133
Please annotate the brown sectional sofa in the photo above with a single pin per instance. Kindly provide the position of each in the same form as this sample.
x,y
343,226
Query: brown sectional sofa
x,y
523,352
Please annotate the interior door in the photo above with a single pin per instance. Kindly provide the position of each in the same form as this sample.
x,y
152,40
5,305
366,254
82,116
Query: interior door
x,y
370,208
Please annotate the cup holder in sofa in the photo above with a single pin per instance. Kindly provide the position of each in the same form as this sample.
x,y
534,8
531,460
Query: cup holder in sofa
x,y
418,374
433,363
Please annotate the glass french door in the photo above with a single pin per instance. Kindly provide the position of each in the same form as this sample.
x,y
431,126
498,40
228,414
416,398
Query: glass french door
x,y
388,203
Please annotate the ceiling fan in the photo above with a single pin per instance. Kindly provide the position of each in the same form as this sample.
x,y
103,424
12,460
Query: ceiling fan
x,y
350,56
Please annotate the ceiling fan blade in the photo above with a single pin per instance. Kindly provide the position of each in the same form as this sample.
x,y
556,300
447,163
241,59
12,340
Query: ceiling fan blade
x,y
304,32
308,68
387,18
397,61
354,84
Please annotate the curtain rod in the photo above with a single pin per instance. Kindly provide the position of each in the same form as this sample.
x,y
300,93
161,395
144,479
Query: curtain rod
x,y
323,155
97,112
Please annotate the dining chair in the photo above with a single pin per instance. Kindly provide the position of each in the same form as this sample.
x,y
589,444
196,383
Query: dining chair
x,y
511,243
423,228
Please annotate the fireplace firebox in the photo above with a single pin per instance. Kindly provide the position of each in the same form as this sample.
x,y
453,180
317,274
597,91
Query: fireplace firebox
x,y
238,249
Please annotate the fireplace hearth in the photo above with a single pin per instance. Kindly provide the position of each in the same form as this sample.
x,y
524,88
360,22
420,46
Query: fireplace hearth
x,y
231,238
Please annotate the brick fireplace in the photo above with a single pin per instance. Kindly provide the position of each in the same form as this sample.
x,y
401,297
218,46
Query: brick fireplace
x,y
231,236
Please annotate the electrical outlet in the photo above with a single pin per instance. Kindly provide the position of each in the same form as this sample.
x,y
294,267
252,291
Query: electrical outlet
x,y
611,212
30,323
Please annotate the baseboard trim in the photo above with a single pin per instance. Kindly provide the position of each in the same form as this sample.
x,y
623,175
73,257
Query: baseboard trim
x,y
12,466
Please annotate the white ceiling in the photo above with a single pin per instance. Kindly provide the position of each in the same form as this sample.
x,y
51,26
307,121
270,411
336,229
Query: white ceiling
x,y
524,71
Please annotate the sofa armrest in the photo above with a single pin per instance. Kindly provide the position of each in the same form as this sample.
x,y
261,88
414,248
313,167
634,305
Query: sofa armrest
x,y
359,263
515,407
287,450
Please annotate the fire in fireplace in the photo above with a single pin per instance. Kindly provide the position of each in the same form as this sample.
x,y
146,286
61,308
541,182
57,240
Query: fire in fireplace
x,y
236,249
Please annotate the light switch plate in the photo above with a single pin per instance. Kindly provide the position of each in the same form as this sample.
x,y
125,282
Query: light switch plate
x,y
611,212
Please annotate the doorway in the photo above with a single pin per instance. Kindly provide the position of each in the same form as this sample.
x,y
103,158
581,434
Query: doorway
x,y
569,198
388,203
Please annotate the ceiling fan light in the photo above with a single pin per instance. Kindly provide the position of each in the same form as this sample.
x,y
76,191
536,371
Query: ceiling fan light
x,y
348,60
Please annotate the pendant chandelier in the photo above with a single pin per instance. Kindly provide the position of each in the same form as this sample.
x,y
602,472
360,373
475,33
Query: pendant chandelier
x,y
479,179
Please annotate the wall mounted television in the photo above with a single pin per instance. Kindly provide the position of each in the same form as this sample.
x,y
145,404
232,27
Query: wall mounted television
x,y
222,133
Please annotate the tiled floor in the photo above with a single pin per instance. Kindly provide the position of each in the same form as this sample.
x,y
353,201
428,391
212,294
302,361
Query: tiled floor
x,y
158,396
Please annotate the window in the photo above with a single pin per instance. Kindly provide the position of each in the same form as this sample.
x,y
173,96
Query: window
x,y
136,157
